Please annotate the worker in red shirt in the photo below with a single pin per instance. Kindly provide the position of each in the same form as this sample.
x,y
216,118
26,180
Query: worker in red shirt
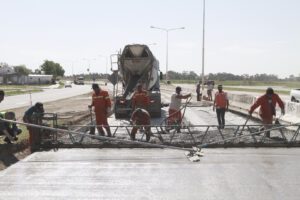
x,y
140,117
267,103
102,104
221,104
140,98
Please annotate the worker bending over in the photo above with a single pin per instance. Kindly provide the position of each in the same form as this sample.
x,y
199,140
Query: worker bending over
x,y
221,104
102,104
33,115
175,117
267,103
140,98
9,129
140,117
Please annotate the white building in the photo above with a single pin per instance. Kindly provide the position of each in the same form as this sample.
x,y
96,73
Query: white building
x,y
39,79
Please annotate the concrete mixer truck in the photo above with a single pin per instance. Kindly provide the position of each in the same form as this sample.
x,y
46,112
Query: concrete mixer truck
x,y
136,65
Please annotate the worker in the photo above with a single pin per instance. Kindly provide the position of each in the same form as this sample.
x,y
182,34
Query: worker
x,y
10,130
33,115
267,103
140,98
221,104
210,87
198,88
140,117
175,117
1,95
102,104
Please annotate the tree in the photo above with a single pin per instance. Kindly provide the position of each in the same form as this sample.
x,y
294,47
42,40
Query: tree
x,y
22,69
52,68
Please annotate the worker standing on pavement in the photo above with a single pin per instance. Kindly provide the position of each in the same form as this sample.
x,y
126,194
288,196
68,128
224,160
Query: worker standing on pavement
x,y
210,87
267,103
10,130
140,117
221,104
140,98
198,88
33,115
175,117
1,95
102,104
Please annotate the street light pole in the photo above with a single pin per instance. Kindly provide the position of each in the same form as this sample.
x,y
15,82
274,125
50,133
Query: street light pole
x,y
167,45
203,37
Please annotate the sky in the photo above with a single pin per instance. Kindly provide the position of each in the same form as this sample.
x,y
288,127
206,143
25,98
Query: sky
x,y
241,36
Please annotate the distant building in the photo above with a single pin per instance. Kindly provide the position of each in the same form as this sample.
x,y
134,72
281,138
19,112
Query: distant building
x,y
9,76
39,79
6,73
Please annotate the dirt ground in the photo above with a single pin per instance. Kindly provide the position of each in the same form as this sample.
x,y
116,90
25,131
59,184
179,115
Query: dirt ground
x,y
70,111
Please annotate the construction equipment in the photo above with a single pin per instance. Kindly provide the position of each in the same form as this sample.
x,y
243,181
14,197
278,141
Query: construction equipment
x,y
137,64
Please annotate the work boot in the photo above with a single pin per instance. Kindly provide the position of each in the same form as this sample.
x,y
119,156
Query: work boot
x,y
132,136
7,140
101,133
148,137
108,132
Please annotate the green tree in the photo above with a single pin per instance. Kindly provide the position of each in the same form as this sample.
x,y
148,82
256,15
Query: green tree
x,y
22,69
52,68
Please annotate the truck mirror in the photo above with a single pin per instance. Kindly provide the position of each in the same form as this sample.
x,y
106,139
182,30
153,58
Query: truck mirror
x,y
161,76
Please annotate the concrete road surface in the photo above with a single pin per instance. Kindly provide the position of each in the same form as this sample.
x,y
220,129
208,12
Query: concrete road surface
x,y
47,95
154,174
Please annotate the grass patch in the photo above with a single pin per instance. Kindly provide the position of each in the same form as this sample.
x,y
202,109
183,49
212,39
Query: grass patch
x,y
10,92
61,85
287,84
283,92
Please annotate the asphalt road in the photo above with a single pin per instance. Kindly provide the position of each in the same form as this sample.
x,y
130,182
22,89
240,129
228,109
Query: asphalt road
x,y
47,95
154,174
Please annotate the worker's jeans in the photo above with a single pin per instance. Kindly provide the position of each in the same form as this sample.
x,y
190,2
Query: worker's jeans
x,y
221,116
199,96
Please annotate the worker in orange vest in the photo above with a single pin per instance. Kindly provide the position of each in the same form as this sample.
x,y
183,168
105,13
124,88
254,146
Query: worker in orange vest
x,y
140,117
140,98
221,104
102,104
267,103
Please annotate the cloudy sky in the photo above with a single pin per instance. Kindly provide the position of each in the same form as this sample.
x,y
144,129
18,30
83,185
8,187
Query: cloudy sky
x,y
242,36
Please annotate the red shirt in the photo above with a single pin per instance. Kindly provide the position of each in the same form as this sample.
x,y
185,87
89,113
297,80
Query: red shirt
x,y
141,119
140,99
101,101
265,107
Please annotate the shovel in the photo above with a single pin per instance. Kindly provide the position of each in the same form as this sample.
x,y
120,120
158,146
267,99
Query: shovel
x,y
92,129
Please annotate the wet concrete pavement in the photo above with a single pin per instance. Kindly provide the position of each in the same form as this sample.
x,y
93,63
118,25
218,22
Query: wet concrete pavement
x,y
154,174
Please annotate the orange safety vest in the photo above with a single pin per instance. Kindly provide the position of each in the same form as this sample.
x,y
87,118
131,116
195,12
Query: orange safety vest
x,y
101,101
220,100
140,99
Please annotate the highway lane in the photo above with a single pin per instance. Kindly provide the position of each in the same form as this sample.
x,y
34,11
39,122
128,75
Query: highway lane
x,y
250,173
47,95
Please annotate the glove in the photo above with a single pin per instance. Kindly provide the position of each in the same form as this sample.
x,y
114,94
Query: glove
x,y
15,138
90,106
282,111
108,109
250,113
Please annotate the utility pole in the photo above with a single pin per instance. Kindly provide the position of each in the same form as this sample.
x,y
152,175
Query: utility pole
x,y
203,37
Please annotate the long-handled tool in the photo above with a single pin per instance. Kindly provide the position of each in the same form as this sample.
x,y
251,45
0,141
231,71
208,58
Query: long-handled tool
x,y
92,129
241,132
